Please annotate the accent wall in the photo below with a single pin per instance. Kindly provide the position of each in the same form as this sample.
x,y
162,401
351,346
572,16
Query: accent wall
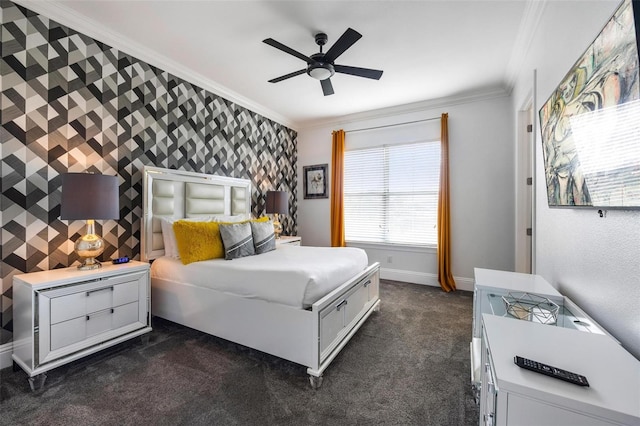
x,y
70,103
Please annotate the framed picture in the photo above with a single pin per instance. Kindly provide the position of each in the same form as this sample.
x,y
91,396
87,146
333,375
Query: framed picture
x,y
590,127
315,181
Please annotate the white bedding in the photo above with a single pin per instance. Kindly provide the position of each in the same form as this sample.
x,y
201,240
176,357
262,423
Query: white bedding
x,y
295,276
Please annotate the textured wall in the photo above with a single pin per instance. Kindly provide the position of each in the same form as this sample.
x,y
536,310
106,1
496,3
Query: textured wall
x,y
72,104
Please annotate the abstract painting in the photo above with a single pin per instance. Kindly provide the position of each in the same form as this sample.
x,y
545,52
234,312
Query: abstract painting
x,y
591,123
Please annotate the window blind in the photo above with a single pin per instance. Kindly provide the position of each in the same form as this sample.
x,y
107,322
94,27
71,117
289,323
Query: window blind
x,y
391,193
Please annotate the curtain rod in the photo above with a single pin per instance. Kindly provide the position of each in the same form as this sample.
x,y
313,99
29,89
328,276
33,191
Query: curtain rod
x,y
392,125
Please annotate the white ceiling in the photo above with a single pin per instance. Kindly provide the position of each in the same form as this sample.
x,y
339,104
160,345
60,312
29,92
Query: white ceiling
x,y
427,49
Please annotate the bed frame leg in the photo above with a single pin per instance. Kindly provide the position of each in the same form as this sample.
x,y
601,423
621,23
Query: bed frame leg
x,y
316,381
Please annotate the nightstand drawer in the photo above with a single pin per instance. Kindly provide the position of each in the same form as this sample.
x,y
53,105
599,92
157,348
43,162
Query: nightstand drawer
x,y
67,333
125,293
91,298
78,329
288,241
67,307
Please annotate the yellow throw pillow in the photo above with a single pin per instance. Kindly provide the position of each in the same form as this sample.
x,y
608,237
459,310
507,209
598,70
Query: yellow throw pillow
x,y
198,241
260,219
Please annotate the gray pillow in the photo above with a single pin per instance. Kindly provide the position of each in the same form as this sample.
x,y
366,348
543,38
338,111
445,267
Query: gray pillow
x,y
237,240
264,239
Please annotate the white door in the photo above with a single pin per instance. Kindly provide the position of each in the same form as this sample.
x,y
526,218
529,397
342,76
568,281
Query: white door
x,y
524,189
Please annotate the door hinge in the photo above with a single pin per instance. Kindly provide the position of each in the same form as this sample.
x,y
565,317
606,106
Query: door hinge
x,y
530,181
529,128
529,232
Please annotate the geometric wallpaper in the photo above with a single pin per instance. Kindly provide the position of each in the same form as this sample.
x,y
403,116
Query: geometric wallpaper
x,y
72,104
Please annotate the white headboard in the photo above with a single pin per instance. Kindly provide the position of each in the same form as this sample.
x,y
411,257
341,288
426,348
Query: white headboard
x,y
177,194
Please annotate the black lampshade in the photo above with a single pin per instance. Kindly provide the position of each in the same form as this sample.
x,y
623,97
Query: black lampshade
x,y
88,196
277,202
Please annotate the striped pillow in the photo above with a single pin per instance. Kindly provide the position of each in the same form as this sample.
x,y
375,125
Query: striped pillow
x,y
237,240
264,239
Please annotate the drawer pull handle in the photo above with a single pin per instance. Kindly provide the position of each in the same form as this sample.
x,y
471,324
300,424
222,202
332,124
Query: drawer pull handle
x,y
89,316
99,289
340,305
367,283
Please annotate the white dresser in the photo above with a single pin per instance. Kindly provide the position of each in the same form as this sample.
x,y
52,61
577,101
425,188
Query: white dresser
x,y
491,285
511,395
64,314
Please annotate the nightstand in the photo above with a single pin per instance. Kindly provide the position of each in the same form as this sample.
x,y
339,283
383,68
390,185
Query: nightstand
x,y
64,314
288,240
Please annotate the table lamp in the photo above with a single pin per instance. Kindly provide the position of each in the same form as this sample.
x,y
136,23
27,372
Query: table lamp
x,y
277,203
89,197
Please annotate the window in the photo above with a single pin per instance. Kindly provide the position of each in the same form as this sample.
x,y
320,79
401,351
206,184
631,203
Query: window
x,y
391,194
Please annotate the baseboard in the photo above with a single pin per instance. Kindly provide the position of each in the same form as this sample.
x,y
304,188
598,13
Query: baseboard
x,y
464,283
5,355
423,278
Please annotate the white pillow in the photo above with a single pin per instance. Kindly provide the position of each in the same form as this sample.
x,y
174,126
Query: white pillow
x,y
169,237
232,218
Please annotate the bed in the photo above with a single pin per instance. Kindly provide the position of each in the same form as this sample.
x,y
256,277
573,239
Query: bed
x,y
307,324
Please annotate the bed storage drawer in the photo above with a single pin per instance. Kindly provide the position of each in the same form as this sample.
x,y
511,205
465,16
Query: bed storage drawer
x,y
337,319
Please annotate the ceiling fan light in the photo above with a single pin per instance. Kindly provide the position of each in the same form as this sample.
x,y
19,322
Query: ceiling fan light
x,y
320,71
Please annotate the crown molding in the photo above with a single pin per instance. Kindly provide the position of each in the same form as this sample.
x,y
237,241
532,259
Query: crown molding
x,y
464,98
533,12
94,29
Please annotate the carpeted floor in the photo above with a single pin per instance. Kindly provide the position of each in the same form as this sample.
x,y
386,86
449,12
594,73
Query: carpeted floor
x,y
408,365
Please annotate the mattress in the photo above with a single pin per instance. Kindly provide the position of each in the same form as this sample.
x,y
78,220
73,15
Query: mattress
x,y
296,276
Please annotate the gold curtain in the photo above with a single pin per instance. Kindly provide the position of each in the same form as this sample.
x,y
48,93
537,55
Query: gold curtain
x,y
337,193
445,276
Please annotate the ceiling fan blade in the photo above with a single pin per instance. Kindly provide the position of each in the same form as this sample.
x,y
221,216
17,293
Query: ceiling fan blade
x,y
284,77
345,41
360,72
290,51
327,87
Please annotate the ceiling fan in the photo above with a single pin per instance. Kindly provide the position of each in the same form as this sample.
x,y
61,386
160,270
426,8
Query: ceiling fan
x,y
321,65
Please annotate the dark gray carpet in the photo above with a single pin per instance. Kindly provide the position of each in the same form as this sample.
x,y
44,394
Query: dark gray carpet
x,y
408,365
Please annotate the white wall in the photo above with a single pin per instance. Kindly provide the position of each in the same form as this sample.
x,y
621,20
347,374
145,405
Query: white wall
x,y
482,189
594,261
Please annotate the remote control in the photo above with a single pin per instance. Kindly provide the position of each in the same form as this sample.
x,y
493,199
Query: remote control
x,y
120,260
550,371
